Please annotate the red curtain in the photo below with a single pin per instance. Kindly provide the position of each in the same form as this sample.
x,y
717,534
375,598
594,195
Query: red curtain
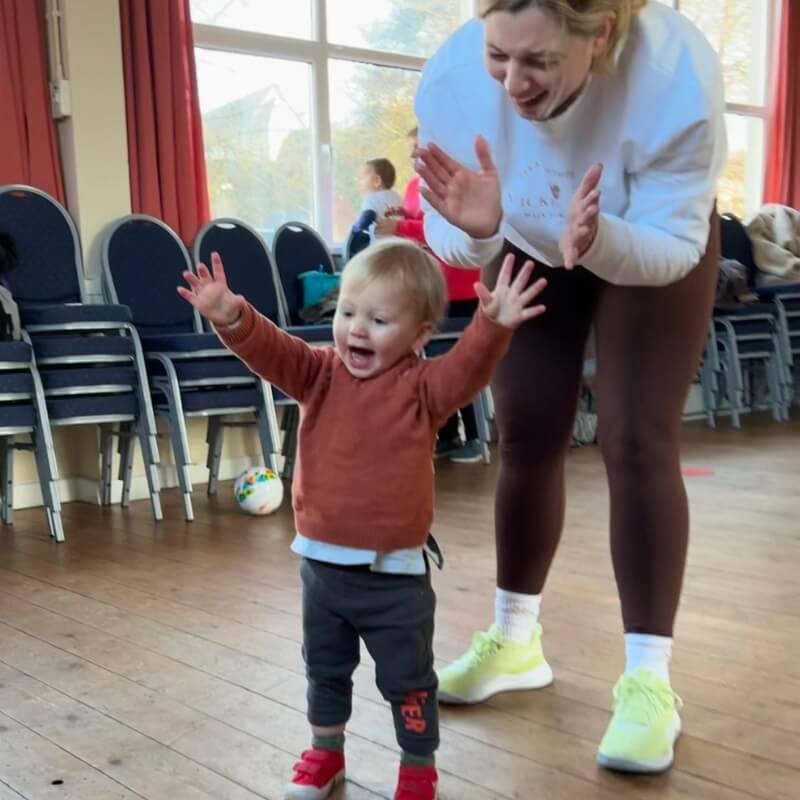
x,y
28,148
782,178
165,135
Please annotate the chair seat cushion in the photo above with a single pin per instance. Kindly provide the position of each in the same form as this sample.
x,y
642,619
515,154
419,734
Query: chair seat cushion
x,y
77,377
181,342
17,416
61,408
215,399
15,353
74,313
81,347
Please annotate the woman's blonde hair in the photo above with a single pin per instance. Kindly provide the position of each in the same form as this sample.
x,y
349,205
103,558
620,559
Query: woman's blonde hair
x,y
405,261
580,18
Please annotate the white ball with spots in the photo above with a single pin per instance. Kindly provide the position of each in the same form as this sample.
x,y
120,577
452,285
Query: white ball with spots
x,y
259,491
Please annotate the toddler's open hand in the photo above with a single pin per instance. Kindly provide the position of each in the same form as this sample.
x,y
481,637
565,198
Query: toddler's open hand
x,y
510,302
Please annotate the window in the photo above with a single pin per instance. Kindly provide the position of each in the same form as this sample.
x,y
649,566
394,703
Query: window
x,y
257,129
296,96
275,17
740,31
411,27
362,130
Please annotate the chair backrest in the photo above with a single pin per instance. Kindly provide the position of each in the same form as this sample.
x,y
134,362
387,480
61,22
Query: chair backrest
x,y
143,264
249,266
735,244
298,249
356,242
50,268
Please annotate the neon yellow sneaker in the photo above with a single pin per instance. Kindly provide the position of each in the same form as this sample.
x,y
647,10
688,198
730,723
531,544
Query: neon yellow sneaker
x,y
494,664
645,726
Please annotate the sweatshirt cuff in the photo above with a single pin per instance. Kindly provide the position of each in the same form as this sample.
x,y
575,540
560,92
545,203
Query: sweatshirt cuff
x,y
236,334
483,251
602,258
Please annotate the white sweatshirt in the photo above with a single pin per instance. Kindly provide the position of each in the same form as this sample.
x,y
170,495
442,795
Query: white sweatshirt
x,y
656,123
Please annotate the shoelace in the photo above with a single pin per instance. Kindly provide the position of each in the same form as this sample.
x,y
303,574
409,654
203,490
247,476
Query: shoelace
x,y
644,702
483,646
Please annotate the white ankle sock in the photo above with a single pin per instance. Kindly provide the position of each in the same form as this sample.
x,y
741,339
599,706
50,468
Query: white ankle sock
x,y
516,614
649,652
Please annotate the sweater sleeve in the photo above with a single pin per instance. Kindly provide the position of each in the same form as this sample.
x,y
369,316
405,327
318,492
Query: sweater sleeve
x,y
365,219
451,381
454,246
272,354
664,234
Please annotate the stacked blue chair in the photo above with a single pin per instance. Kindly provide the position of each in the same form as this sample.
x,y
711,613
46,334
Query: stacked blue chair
x,y
297,249
89,356
23,411
787,303
753,337
749,341
191,373
251,271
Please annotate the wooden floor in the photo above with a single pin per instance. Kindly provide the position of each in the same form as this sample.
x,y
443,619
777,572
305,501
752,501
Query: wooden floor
x,y
161,661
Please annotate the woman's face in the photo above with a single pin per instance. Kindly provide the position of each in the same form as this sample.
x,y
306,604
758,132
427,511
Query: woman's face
x,y
541,66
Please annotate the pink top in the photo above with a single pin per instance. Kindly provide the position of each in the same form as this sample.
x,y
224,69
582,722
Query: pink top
x,y
459,280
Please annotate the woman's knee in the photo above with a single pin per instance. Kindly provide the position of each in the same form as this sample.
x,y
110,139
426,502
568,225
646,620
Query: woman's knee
x,y
637,446
527,438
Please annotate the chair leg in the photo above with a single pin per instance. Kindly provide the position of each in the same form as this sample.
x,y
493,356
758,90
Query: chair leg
x,y
106,463
7,479
774,388
489,403
125,450
150,471
735,380
49,487
180,440
268,433
180,449
8,482
292,419
214,437
479,409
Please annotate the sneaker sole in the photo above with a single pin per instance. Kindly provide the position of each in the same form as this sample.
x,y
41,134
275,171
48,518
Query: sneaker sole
x,y
465,459
642,767
312,792
534,679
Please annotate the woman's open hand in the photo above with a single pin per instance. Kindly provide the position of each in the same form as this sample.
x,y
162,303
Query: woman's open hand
x,y
466,198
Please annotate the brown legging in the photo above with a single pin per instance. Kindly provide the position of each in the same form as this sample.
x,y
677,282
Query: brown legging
x,y
648,342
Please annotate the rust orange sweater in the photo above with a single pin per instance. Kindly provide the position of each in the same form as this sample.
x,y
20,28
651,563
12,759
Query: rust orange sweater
x,y
364,473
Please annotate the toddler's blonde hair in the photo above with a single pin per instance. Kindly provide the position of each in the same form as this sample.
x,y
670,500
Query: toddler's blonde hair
x,y
406,262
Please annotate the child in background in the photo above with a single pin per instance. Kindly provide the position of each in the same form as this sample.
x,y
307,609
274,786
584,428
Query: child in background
x,y
370,408
376,182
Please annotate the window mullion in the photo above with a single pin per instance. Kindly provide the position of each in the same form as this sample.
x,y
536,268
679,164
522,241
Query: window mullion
x,y
321,127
